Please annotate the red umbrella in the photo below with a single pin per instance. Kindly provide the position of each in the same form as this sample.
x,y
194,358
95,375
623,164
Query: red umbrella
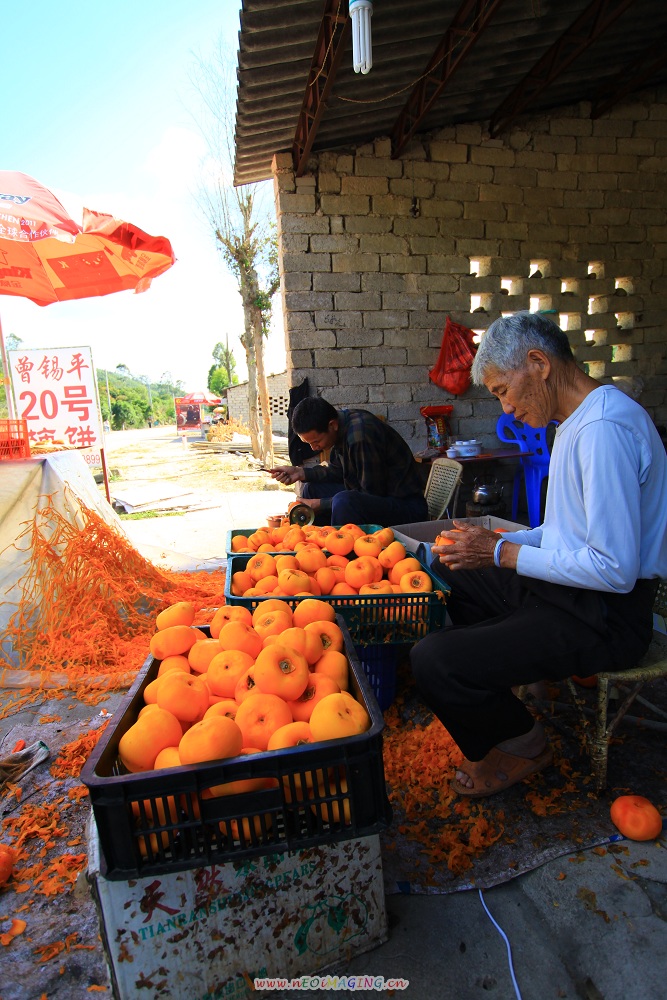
x,y
206,398
47,257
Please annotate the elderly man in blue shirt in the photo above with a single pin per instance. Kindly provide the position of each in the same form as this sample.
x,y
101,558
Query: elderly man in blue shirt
x,y
573,596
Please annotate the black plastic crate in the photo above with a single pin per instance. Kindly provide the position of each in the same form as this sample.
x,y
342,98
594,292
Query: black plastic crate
x,y
372,620
157,822
380,663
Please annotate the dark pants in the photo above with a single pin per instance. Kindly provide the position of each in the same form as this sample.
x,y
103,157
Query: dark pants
x,y
510,630
353,507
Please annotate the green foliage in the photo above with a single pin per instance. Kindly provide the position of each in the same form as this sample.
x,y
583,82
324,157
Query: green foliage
x,y
132,404
222,374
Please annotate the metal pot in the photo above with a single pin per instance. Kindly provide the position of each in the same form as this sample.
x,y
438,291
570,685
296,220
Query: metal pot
x,y
487,493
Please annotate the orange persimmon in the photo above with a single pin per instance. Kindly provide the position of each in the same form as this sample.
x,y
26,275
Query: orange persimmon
x,y
636,817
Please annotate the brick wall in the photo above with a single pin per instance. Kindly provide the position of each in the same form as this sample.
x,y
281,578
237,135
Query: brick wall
x,y
563,213
237,401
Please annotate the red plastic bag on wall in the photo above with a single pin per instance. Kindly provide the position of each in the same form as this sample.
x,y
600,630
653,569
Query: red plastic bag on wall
x,y
457,353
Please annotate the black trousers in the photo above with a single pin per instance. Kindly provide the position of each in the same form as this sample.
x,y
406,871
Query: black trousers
x,y
510,630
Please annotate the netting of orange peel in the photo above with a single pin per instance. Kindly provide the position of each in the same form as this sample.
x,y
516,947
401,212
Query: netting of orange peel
x,y
87,607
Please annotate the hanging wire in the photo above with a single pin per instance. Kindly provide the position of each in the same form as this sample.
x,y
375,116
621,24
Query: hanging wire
x,y
324,59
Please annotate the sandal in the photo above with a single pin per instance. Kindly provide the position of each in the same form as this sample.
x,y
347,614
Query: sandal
x,y
499,770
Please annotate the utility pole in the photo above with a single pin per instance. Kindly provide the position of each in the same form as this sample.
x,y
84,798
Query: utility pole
x,y
106,373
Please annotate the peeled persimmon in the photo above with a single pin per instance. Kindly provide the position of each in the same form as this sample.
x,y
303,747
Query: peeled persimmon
x,y
368,545
226,706
310,559
308,644
229,613
337,716
172,641
417,580
340,543
312,610
318,686
272,622
330,633
403,566
184,695
334,664
326,579
237,635
245,685
181,613
282,671
294,734
241,581
201,654
292,581
225,671
359,571
213,738
179,662
258,717
141,743
392,554
270,604
260,565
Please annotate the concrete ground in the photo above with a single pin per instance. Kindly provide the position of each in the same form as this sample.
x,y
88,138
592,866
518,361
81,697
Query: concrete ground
x,y
590,926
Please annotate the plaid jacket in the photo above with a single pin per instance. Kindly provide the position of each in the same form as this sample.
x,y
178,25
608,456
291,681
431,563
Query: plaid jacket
x,y
369,456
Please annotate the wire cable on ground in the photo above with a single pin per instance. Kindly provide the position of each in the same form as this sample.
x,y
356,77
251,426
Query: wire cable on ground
x,y
506,940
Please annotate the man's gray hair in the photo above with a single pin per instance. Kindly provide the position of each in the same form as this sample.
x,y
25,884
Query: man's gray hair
x,y
507,341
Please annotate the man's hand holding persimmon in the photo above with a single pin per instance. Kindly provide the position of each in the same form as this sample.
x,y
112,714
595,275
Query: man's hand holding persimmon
x,y
468,546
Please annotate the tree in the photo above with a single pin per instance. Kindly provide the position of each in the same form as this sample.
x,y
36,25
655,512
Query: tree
x,y
222,374
245,235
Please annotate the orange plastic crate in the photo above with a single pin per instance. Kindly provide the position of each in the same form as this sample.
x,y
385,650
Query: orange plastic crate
x,y
14,442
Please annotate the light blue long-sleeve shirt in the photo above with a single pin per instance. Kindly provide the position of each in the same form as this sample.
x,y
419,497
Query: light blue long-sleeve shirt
x,y
605,521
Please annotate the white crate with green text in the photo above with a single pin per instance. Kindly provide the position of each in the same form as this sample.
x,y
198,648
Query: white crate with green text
x,y
207,933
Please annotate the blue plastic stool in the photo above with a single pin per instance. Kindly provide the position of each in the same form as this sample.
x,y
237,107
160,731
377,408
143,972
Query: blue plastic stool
x,y
533,469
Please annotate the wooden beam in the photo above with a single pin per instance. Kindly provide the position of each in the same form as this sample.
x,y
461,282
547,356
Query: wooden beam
x,y
331,43
589,26
467,25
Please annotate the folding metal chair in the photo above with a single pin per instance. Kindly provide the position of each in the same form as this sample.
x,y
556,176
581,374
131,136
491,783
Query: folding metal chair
x,y
442,487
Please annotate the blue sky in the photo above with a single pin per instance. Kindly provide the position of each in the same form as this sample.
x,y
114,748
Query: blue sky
x,y
99,107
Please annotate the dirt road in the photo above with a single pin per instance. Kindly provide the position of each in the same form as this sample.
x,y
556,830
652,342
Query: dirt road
x,y
215,493
159,455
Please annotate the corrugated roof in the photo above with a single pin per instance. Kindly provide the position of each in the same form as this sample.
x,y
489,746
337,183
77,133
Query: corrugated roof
x,y
277,41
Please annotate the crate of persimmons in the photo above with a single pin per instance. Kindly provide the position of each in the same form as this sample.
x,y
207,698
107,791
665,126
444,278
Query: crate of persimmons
x,y
254,734
385,594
